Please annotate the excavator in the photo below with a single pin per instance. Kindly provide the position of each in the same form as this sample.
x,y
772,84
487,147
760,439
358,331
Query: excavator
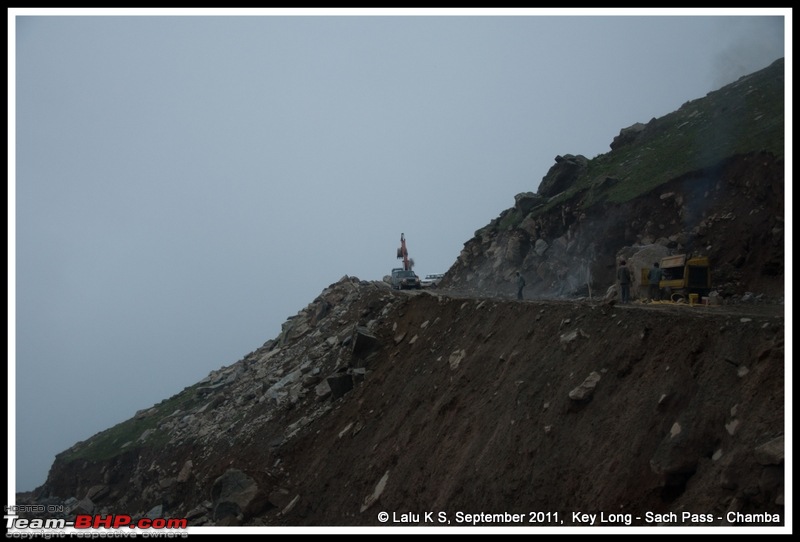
x,y
404,278
402,253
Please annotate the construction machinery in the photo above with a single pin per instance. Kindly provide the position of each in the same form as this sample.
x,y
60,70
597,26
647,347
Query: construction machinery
x,y
402,253
404,278
683,277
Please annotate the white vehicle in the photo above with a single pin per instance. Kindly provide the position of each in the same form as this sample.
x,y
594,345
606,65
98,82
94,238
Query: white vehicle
x,y
432,280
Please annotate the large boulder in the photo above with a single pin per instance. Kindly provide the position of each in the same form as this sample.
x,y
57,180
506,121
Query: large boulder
x,y
627,135
236,497
562,175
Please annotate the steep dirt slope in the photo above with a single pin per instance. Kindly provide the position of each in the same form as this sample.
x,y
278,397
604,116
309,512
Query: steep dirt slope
x,y
467,408
468,405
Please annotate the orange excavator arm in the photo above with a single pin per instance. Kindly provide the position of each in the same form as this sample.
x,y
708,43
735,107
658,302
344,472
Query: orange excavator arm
x,y
402,252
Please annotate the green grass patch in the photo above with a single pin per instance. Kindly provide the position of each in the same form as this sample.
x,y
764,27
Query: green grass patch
x,y
112,442
741,118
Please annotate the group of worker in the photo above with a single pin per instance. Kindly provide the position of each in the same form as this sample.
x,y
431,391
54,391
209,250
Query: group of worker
x,y
624,277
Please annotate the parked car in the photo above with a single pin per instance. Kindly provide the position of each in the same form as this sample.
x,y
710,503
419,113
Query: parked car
x,y
432,280
405,280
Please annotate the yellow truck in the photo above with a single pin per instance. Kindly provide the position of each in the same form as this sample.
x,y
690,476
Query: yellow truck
x,y
682,276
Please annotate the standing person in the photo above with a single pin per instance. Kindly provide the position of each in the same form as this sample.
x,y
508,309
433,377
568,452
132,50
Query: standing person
x,y
624,278
520,284
654,277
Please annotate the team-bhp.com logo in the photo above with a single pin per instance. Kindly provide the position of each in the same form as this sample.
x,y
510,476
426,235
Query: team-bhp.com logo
x,y
86,521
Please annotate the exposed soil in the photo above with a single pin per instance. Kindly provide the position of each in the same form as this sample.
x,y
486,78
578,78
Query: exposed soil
x,y
467,408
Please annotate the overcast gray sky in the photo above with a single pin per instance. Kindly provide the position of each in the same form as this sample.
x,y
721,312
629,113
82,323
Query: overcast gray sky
x,y
180,185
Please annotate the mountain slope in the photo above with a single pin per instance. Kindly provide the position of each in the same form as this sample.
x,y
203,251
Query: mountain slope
x,y
462,400
707,180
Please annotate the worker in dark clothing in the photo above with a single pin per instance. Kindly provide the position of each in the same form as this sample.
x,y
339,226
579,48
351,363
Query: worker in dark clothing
x,y
520,284
654,277
624,278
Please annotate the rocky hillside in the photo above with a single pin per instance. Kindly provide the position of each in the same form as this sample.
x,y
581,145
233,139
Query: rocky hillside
x,y
706,180
467,404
